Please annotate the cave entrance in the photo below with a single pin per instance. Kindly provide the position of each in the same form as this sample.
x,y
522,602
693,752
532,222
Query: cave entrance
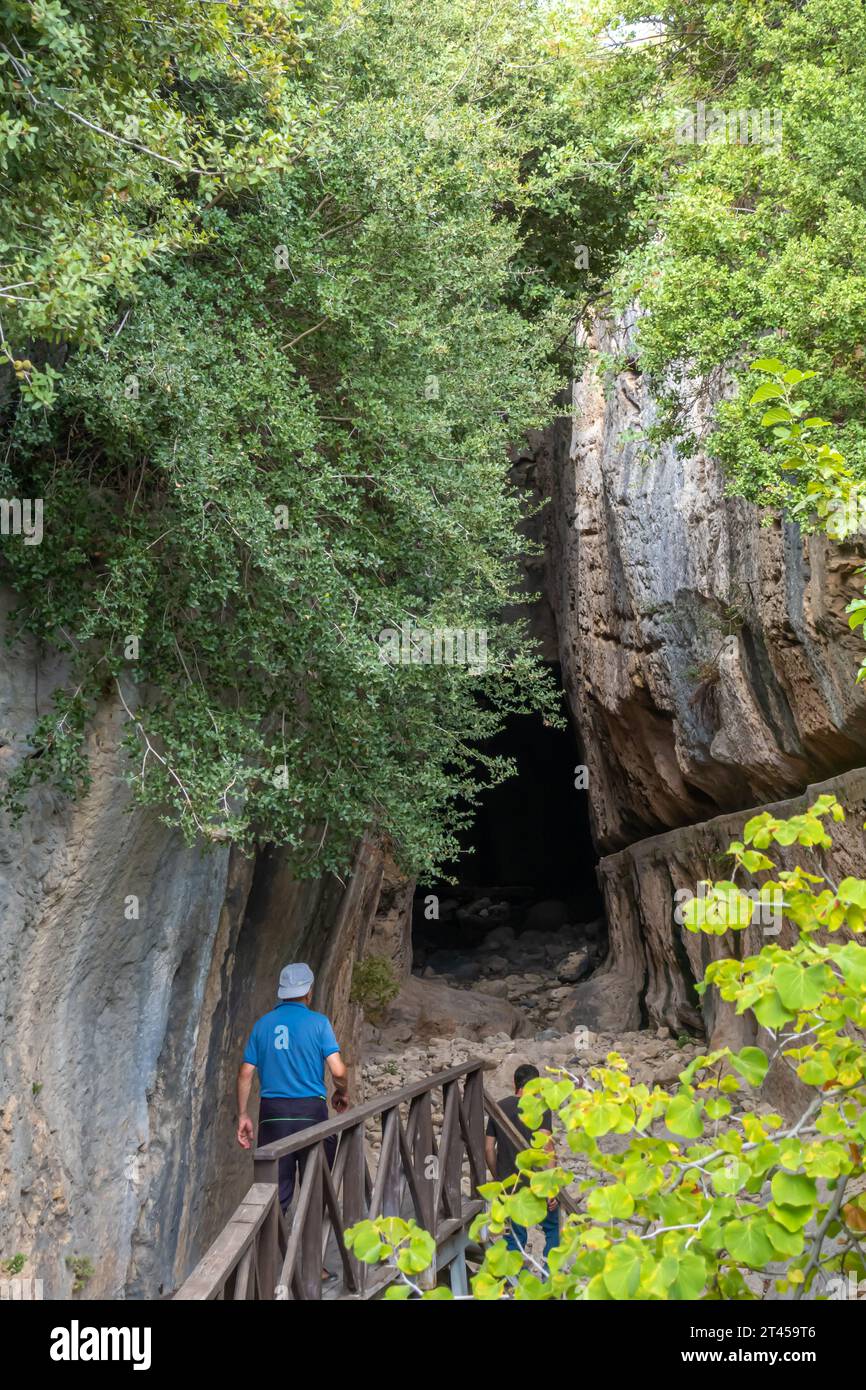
x,y
529,865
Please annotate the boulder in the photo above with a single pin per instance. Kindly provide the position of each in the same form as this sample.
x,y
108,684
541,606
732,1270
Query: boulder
x,y
546,916
445,962
498,938
468,970
497,989
575,967
496,965
431,1010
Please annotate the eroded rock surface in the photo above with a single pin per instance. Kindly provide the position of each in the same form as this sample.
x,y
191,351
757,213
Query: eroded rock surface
x,y
705,652
131,969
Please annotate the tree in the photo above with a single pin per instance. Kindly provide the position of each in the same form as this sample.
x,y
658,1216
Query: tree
x,y
749,227
287,256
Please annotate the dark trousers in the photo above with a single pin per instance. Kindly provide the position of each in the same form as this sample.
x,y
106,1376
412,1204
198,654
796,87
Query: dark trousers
x,y
516,1236
280,1116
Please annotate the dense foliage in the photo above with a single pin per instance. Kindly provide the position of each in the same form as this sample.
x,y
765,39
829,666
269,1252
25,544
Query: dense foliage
x,y
748,248
305,275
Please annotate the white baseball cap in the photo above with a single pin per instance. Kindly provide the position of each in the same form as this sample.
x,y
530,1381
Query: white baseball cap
x,y
295,981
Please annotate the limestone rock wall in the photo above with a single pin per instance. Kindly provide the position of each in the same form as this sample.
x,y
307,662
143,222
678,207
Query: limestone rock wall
x,y
131,969
704,648
707,664
653,961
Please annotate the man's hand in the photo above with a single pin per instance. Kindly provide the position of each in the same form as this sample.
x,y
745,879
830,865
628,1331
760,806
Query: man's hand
x,y
337,1067
246,1072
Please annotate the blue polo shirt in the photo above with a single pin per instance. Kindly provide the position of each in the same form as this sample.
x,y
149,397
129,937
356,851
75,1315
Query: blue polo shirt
x,y
288,1048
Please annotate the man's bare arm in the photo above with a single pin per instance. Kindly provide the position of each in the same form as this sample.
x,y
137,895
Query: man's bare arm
x,y
337,1067
490,1152
246,1072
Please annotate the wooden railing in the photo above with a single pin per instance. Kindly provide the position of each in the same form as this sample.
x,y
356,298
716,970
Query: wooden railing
x,y
240,1263
423,1171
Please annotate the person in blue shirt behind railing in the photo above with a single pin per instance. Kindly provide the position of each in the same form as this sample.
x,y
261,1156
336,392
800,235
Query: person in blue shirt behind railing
x,y
290,1047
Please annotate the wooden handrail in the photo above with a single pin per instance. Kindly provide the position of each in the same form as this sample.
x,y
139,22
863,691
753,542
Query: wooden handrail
x,y
278,1148
417,1174
432,1178
236,1252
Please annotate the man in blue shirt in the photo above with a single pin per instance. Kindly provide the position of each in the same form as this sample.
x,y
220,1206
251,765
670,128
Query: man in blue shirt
x,y
290,1048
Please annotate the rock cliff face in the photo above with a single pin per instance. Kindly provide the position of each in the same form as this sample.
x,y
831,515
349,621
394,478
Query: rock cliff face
x,y
653,962
704,648
131,968
708,667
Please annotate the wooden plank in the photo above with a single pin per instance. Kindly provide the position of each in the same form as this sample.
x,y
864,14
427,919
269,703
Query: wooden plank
x,y
354,1194
278,1148
287,1273
425,1160
333,1207
471,1112
266,1170
269,1250
450,1155
391,1192
310,1257
242,1278
425,1157
389,1144
408,1163
210,1274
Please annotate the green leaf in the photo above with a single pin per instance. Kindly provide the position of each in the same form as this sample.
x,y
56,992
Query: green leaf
x,y
614,1203
771,1012
747,1242
684,1116
794,1190
691,1277
776,416
766,392
751,1063
767,364
787,1244
852,890
792,1218
799,988
525,1208
622,1271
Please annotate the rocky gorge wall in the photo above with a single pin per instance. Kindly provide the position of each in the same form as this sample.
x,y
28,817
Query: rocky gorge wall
x,y
709,672
707,665
131,969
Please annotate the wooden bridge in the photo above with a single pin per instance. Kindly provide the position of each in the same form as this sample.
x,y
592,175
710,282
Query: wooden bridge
x,y
420,1173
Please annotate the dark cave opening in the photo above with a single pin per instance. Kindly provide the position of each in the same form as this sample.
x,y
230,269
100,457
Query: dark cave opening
x,y
529,863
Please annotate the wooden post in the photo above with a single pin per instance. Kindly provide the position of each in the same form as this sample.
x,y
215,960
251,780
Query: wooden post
x,y
354,1190
426,1160
310,1253
457,1269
